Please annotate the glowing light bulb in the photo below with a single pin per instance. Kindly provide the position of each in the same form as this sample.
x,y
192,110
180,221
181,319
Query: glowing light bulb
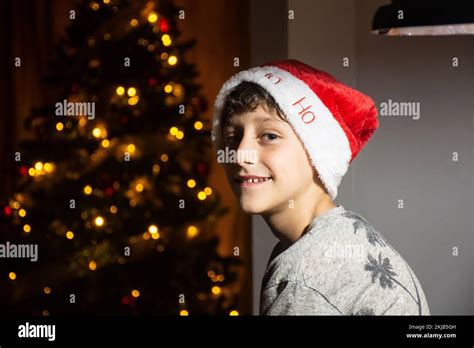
x,y
99,221
173,130
59,126
97,132
152,17
168,88
192,231
191,183
172,60
92,266
152,229
69,235
48,167
133,100
198,125
120,90
131,148
87,190
183,313
131,91
12,275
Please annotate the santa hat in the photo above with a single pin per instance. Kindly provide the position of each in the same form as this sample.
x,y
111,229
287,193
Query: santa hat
x,y
332,120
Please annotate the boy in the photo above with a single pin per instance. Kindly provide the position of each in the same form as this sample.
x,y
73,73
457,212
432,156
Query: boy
x,y
300,129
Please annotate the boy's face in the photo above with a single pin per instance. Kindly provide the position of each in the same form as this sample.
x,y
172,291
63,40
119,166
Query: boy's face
x,y
268,148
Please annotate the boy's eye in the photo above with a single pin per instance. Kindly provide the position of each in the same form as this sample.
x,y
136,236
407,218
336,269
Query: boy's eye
x,y
270,136
229,140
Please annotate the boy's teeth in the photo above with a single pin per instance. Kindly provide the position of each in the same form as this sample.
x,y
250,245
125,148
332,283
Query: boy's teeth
x,y
255,180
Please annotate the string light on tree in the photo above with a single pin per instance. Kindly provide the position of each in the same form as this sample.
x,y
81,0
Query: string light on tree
x,y
131,148
192,232
166,40
198,125
131,91
201,195
120,90
99,132
172,60
168,88
99,221
133,100
152,17
87,189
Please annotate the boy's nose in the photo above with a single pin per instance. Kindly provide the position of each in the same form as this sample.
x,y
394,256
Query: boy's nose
x,y
247,151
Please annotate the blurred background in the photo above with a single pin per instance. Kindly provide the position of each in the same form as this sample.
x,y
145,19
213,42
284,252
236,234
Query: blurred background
x,y
128,209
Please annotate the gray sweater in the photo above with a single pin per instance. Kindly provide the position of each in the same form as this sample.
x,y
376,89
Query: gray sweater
x,y
340,266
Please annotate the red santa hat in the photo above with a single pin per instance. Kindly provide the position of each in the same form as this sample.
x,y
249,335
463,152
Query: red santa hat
x,y
332,120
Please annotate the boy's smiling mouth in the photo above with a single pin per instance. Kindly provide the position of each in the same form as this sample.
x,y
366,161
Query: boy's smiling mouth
x,y
251,180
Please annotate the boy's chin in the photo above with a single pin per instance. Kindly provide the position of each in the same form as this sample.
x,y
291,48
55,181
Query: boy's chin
x,y
253,207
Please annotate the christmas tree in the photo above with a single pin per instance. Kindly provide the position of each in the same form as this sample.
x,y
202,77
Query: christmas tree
x,y
113,184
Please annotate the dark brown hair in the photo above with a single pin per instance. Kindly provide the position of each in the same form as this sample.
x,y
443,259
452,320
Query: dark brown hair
x,y
246,97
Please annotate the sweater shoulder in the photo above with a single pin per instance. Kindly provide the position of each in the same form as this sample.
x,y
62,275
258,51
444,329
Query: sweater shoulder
x,y
349,261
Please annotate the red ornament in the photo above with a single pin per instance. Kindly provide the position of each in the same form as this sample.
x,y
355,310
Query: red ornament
x,y
23,170
152,82
8,211
163,24
126,300
109,191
